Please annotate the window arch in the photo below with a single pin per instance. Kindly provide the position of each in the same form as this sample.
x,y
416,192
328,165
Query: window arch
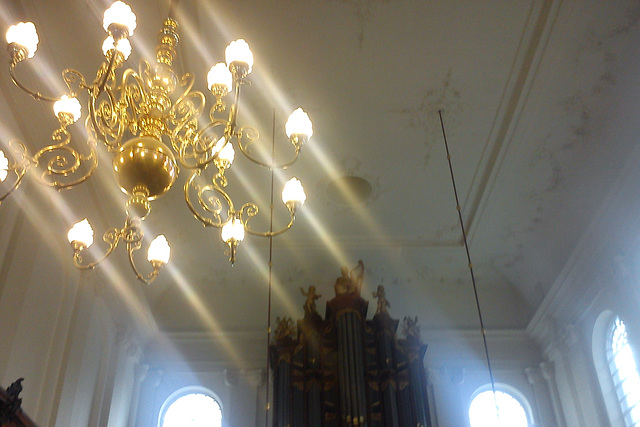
x,y
513,409
616,369
191,407
623,371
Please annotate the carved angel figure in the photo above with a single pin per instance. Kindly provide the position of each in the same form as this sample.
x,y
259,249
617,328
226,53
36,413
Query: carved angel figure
x,y
383,304
350,281
310,303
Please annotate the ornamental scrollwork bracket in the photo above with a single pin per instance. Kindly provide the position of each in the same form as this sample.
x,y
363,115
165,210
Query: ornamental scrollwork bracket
x,y
10,406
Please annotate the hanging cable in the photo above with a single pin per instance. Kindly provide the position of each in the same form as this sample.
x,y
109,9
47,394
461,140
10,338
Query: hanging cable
x,y
273,148
466,248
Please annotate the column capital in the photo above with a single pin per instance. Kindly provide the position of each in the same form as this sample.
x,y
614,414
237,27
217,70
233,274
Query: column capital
x,y
532,373
547,371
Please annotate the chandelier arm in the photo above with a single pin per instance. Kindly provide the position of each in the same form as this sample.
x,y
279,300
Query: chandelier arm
x,y
212,205
131,248
111,237
60,165
110,121
194,153
98,133
249,210
132,234
281,166
272,233
233,110
202,153
187,82
203,144
34,94
104,74
71,77
186,112
132,95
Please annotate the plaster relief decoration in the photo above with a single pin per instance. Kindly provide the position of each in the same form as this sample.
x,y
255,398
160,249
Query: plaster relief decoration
x,y
344,370
362,10
424,116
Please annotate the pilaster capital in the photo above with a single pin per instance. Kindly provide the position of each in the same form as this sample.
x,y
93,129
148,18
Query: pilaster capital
x,y
230,377
533,374
568,336
126,339
154,376
141,372
547,371
453,375
255,377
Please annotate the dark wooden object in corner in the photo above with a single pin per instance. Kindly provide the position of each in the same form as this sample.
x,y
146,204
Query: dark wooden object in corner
x,y
346,371
11,414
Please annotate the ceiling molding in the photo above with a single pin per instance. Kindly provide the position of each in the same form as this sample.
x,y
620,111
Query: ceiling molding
x,y
535,37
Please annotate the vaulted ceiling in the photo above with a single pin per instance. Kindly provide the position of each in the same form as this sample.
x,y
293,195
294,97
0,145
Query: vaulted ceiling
x,y
538,99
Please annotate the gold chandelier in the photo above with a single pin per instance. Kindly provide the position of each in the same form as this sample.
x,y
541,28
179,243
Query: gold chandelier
x,y
149,119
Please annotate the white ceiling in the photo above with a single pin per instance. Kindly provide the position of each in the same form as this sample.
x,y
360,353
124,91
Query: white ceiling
x,y
538,99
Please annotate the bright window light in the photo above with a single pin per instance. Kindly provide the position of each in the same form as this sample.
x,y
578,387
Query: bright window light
x,y
624,373
193,410
509,411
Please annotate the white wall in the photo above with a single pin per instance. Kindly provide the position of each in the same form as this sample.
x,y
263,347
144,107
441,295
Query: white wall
x,y
457,367
60,328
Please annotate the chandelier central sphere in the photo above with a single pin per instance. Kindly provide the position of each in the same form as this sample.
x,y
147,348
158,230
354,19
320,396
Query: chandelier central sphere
x,y
145,164
150,119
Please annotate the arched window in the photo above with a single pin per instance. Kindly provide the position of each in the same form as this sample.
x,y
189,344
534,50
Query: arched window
x,y
624,372
191,407
616,369
509,408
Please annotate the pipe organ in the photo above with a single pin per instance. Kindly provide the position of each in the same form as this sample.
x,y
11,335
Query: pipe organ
x,y
345,370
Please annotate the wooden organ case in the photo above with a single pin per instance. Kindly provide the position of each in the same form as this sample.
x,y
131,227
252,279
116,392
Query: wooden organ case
x,y
344,370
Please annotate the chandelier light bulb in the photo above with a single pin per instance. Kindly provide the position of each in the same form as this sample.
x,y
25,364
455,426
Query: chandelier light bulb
x,y
68,105
124,46
299,124
219,74
81,233
159,250
227,153
4,166
233,230
293,192
120,14
25,35
238,51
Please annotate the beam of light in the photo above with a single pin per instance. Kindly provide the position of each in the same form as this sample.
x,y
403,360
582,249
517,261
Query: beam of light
x,y
279,290
204,314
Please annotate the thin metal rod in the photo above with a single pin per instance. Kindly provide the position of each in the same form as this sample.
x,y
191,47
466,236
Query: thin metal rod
x,y
268,374
466,248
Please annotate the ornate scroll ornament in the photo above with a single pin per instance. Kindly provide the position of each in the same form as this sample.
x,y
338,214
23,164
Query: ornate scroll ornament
x,y
410,327
10,407
285,328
